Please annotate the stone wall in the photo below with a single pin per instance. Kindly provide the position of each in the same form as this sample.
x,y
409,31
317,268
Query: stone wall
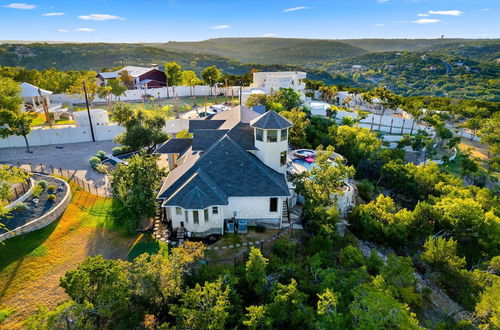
x,y
44,220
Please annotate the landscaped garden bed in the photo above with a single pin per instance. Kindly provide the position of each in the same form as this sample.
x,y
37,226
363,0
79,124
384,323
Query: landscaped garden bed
x,y
47,194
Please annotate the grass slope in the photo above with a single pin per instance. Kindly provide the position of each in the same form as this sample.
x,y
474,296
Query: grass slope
x,y
31,264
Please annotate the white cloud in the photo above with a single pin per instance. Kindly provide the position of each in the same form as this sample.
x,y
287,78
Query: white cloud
x,y
289,10
422,15
17,5
446,12
426,21
269,35
486,9
53,14
380,24
62,30
85,30
100,17
383,1
220,27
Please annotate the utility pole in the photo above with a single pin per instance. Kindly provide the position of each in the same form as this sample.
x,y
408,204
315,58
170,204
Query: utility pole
x,y
241,89
168,96
88,111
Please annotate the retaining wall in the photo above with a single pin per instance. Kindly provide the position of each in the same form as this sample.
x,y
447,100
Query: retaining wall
x,y
44,220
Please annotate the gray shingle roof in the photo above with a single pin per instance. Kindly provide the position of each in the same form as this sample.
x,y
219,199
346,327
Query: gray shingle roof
x,y
231,169
204,124
199,192
204,138
174,146
271,120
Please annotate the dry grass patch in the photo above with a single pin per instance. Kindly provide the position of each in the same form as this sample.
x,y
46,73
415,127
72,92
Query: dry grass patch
x,y
32,264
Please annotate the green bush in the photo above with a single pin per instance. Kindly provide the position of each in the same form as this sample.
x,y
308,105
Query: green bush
x,y
365,189
43,184
51,197
52,188
260,228
101,154
94,161
116,151
3,314
21,206
37,191
101,168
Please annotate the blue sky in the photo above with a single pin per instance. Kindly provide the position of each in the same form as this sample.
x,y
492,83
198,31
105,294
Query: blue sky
x,y
183,20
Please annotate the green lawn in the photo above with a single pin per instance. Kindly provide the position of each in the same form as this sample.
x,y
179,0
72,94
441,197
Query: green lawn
x,y
146,244
455,166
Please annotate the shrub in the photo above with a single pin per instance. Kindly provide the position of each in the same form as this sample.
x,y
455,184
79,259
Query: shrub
x,y
51,197
101,168
365,189
37,191
101,154
52,188
260,228
43,184
94,161
21,206
117,151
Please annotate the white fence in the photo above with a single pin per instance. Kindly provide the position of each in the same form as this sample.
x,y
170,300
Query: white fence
x,y
49,136
163,92
386,124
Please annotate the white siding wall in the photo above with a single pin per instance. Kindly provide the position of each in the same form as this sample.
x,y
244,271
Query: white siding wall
x,y
252,208
215,221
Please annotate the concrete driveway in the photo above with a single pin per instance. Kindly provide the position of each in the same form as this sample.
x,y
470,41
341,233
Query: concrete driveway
x,y
73,157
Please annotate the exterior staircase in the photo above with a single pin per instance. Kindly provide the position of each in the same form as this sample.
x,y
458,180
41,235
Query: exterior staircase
x,y
160,229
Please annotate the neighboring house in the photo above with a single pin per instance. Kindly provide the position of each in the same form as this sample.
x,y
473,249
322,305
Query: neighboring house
x,y
33,97
265,82
143,77
231,174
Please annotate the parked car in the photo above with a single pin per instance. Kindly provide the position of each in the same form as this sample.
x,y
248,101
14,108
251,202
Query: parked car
x,y
219,108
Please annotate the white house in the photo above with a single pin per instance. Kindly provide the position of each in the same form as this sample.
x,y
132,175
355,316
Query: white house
x,y
265,82
34,97
230,175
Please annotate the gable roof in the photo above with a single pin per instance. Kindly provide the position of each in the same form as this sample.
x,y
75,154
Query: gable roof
x,y
134,71
174,146
231,169
29,90
234,116
271,120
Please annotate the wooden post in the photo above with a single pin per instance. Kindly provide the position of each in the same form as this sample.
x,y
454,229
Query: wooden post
x,y
403,127
392,121
371,126
412,125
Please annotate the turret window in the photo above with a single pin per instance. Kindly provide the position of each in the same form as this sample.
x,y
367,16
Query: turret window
x,y
272,135
283,158
284,134
259,134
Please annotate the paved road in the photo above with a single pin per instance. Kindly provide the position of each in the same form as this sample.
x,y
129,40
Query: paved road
x,y
73,157
448,67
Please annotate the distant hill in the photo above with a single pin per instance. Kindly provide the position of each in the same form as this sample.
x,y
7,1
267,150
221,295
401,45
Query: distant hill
x,y
96,56
303,51
269,50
